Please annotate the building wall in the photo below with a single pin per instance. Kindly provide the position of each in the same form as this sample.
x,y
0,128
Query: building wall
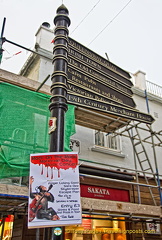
x,y
34,73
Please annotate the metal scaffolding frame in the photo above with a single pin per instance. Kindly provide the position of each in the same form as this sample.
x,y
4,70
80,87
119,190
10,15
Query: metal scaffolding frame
x,y
142,157
140,134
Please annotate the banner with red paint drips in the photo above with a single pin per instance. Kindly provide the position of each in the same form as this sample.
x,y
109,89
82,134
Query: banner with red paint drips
x,y
55,161
54,191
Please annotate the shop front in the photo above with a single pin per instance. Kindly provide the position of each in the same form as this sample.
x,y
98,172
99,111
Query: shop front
x,y
108,213
100,225
6,227
97,228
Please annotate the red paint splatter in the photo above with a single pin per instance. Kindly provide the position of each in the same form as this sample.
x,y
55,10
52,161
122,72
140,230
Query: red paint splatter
x,y
42,170
58,173
56,161
52,173
47,171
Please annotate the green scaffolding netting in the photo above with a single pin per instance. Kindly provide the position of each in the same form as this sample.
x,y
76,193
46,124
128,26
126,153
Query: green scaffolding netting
x,y
24,117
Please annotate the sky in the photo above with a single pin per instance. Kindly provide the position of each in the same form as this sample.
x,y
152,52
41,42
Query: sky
x,y
128,31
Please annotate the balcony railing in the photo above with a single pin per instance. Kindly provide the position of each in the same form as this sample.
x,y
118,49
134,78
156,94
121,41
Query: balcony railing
x,y
154,88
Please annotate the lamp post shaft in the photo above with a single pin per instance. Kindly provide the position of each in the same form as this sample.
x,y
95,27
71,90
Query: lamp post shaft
x,y
58,105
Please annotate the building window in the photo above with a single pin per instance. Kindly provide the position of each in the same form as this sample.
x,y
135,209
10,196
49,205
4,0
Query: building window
x,y
108,140
99,139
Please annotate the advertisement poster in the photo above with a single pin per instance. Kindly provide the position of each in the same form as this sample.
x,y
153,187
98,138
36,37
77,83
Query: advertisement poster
x,y
153,228
54,190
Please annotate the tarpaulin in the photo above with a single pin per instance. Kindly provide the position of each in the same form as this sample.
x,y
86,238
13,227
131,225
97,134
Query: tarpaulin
x,y
24,117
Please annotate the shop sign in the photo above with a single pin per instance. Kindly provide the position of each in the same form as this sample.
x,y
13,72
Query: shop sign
x,y
86,223
57,231
105,193
54,192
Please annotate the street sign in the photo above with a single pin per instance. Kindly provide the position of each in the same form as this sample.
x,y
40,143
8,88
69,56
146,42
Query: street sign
x,y
96,83
85,92
112,109
93,85
89,58
82,71
88,70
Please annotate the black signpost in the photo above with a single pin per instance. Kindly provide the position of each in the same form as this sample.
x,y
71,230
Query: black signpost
x,y
58,105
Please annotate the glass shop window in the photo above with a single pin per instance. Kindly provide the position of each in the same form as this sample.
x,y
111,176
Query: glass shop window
x,y
97,229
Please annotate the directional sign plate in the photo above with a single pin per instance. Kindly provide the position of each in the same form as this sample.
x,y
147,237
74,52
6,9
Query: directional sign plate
x,y
110,108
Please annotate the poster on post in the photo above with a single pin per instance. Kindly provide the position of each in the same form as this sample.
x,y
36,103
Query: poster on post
x,y
54,190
